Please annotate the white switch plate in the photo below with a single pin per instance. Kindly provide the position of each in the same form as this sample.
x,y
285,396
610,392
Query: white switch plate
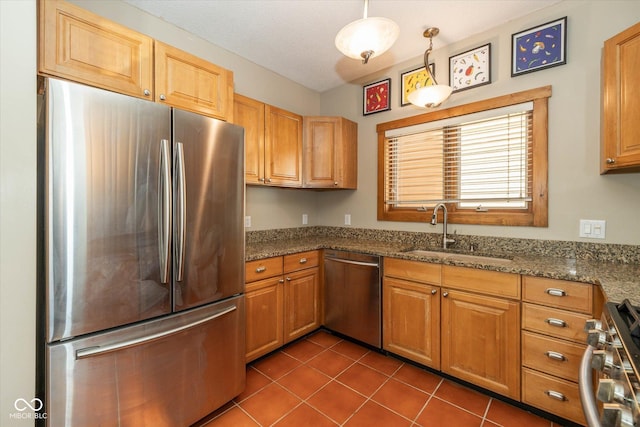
x,y
592,228
247,221
347,219
305,219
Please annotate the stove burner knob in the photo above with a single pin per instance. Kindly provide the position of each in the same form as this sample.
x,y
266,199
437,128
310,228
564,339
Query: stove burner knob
x,y
602,360
593,324
616,415
610,390
596,338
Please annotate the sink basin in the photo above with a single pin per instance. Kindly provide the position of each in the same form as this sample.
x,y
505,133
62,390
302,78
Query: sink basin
x,y
458,257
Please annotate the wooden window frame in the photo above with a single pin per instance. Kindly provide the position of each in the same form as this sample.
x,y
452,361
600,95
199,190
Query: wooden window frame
x,y
537,213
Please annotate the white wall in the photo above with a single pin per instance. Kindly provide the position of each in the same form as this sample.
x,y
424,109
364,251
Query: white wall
x,y
17,205
576,190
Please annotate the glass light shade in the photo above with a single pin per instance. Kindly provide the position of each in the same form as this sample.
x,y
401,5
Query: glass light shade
x,y
430,96
367,34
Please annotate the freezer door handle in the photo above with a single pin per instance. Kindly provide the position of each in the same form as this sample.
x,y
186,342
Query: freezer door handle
x,y
108,348
181,199
164,211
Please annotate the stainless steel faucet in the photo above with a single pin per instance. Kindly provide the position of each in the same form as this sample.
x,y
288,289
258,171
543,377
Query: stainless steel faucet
x,y
434,221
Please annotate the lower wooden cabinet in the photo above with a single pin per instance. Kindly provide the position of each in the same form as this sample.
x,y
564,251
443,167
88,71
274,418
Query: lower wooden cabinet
x,y
282,301
411,311
481,341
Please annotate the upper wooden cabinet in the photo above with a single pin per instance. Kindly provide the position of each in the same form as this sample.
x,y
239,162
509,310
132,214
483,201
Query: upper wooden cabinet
x,y
273,143
185,81
621,103
330,153
282,147
78,45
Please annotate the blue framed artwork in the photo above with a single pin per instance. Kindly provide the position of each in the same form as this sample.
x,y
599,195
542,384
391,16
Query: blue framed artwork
x,y
539,47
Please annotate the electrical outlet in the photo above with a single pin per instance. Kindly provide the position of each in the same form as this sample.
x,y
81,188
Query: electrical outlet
x,y
247,221
305,219
592,229
347,219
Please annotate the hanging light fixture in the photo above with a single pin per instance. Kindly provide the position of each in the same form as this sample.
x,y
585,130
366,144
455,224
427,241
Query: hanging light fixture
x,y
434,94
367,37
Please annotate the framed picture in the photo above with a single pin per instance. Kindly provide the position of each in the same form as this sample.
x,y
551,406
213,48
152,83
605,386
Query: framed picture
x,y
414,79
376,97
470,69
539,47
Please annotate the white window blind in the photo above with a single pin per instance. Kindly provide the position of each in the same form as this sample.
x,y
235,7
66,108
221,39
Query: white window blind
x,y
479,162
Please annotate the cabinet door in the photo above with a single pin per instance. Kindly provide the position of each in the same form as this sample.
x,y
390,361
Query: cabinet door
x,y
78,45
330,152
621,102
191,83
481,341
283,147
301,303
411,321
264,317
249,114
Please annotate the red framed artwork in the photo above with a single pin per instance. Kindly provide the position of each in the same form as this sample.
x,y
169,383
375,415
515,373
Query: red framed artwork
x,y
376,97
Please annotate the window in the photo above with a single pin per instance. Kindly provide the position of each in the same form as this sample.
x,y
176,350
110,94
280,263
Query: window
x,y
487,161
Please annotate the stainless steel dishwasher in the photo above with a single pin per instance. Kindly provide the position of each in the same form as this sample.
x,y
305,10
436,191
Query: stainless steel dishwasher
x,y
352,303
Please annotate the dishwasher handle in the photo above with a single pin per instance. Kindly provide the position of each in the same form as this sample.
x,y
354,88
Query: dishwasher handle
x,y
348,261
585,385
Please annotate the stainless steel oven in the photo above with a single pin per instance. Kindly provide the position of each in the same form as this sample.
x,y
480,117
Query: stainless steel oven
x,y
612,358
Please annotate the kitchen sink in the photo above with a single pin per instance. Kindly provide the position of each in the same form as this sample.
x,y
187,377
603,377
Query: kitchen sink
x,y
459,257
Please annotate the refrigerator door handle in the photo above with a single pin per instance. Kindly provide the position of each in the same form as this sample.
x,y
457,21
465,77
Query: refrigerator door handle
x,y
99,350
182,214
164,211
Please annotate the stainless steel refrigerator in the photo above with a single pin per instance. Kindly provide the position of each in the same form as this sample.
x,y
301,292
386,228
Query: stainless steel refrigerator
x,y
142,260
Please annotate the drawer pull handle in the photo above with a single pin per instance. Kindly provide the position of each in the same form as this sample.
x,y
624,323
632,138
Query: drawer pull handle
x,y
556,292
261,269
556,322
555,356
556,395
303,260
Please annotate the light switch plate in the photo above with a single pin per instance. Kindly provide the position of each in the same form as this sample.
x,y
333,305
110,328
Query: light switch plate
x,y
347,219
305,219
593,228
247,221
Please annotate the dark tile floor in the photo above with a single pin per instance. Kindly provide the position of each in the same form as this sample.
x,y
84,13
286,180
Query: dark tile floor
x,y
323,380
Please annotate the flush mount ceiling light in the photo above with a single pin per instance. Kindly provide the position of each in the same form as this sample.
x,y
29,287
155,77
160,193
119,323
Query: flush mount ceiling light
x,y
367,37
433,95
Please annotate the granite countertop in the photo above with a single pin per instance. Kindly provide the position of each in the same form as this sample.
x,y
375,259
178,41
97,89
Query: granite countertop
x,y
619,281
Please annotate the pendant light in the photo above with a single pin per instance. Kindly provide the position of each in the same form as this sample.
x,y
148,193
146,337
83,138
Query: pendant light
x,y
433,95
367,37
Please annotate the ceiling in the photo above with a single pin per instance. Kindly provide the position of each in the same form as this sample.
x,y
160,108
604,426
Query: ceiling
x,y
295,38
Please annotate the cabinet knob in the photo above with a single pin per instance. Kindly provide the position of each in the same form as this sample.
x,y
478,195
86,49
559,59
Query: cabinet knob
x,y
281,281
146,92
445,294
610,161
335,183
268,179
288,279
261,179
162,97
434,291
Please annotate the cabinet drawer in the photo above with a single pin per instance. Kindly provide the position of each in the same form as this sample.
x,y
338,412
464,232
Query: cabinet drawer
x,y
415,271
482,281
551,355
554,322
558,293
263,268
300,261
554,395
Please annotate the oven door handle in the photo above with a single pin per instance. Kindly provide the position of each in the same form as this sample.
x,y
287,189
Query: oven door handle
x,y
585,385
